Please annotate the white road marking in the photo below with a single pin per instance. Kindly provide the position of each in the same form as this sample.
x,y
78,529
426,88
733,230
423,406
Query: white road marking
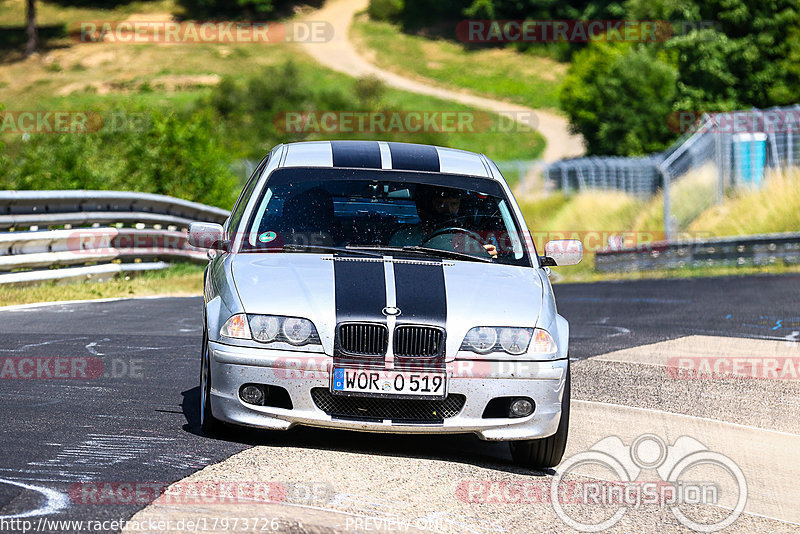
x,y
91,346
42,344
55,501
36,305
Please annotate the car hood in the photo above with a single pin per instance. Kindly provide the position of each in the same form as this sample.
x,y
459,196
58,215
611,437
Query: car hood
x,y
457,295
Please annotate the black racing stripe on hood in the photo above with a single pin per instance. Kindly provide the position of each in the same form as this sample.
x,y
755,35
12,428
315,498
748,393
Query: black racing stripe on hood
x,y
422,299
360,290
360,296
408,157
361,154
421,293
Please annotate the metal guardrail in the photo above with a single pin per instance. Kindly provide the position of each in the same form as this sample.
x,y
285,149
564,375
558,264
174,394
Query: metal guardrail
x,y
33,252
23,209
765,249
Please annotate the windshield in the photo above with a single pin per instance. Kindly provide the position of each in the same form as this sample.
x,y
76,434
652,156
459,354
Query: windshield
x,y
385,211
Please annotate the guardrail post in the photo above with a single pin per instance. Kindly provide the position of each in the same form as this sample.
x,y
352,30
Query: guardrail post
x,y
665,189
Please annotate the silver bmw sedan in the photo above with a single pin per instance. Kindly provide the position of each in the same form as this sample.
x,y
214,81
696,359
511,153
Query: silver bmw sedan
x,y
384,287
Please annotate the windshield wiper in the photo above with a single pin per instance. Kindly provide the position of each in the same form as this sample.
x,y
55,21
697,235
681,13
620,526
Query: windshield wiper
x,y
422,250
293,247
447,253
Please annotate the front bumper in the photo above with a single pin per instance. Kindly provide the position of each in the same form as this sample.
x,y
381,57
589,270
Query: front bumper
x,y
299,372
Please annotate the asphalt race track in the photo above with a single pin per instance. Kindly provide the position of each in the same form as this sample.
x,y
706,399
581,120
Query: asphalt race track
x,y
134,419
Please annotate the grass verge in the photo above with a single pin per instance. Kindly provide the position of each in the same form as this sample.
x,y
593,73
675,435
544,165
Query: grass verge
x,y
502,73
565,276
595,215
178,280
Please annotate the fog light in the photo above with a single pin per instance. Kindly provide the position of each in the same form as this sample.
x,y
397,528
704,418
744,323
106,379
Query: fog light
x,y
252,394
521,408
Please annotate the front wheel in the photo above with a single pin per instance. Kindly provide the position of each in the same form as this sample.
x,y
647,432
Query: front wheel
x,y
208,423
545,452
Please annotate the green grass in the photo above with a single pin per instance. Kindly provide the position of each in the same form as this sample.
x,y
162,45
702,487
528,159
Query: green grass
x,y
177,280
111,76
502,73
773,208
12,12
590,217
564,275
593,216
690,196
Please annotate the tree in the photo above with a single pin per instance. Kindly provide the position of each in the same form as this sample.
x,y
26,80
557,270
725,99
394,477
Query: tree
x,y
33,36
619,97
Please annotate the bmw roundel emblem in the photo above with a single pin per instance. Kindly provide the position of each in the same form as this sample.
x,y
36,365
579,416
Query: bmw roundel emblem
x,y
391,310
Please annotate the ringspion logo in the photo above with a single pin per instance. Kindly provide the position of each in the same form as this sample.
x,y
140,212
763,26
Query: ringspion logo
x,y
690,478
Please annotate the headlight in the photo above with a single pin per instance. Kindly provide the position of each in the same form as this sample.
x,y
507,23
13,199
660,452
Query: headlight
x,y
236,327
481,339
293,330
486,339
265,328
297,331
515,340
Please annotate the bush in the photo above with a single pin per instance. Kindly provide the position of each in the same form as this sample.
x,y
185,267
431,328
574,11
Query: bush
x,y
170,155
619,98
389,10
237,9
369,90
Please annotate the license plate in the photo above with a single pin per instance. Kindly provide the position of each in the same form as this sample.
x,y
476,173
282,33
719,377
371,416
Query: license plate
x,y
379,383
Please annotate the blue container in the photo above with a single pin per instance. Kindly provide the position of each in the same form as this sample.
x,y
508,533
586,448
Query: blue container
x,y
749,157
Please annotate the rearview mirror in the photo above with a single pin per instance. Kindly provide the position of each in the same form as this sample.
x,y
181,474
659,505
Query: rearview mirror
x,y
207,235
562,252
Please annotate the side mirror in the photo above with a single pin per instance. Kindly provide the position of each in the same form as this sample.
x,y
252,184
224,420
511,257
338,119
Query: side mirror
x,y
207,235
562,252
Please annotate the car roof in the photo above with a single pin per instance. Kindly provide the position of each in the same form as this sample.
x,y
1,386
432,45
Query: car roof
x,y
386,156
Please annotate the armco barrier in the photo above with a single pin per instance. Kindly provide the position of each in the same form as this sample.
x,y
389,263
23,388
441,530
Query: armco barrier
x,y
30,251
765,249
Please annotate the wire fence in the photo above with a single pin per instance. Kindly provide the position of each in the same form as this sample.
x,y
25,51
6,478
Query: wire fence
x,y
742,145
737,148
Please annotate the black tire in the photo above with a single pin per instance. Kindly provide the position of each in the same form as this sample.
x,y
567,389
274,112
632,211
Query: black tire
x,y
209,424
545,452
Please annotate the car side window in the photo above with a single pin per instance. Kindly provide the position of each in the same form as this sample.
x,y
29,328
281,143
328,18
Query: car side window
x,y
244,198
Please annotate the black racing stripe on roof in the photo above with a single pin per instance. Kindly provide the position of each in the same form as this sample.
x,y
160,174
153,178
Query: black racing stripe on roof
x,y
359,154
410,157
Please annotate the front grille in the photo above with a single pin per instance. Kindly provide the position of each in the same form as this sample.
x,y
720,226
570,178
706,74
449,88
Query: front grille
x,y
419,411
418,341
363,339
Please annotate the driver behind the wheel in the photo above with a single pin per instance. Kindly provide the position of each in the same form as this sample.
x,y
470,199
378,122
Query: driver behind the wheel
x,y
438,209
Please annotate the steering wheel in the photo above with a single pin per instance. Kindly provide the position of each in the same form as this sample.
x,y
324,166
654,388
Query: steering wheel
x,y
456,230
